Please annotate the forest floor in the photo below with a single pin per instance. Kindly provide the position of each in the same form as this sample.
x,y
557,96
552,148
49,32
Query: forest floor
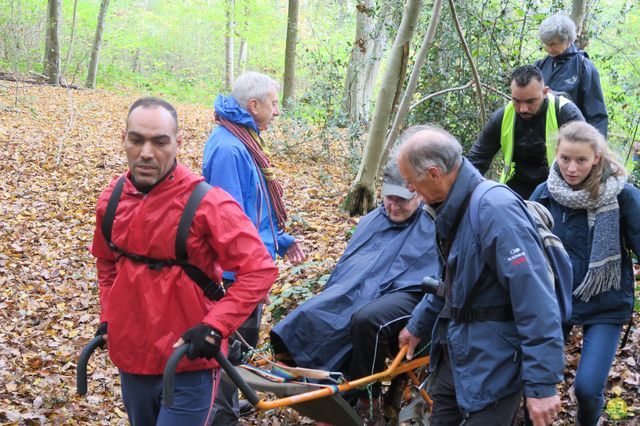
x,y
59,150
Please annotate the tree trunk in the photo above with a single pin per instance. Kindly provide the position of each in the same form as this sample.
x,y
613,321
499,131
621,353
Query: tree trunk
x,y
72,38
52,42
578,12
413,82
364,63
97,43
244,45
360,198
242,56
288,89
228,44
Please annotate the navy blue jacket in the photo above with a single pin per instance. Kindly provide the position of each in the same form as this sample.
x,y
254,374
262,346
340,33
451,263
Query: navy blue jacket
x,y
381,257
494,359
614,306
573,73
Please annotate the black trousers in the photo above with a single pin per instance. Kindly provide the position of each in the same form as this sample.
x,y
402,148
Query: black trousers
x,y
445,411
374,334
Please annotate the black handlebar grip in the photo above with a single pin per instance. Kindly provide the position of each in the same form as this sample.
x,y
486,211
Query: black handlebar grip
x,y
81,369
237,379
169,376
168,379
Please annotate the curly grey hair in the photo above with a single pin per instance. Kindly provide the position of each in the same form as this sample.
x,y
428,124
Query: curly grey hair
x,y
252,85
558,27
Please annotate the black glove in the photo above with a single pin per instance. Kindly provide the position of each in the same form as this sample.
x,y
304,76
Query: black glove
x,y
198,346
102,329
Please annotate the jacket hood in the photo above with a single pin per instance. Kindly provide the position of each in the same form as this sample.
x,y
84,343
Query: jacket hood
x,y
228,108
468,177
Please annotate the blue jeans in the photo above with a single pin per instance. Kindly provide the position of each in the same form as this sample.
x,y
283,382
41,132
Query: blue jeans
x,y
599,345
192,405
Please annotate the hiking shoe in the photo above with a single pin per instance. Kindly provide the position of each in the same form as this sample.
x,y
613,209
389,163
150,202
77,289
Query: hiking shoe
x,y
245,408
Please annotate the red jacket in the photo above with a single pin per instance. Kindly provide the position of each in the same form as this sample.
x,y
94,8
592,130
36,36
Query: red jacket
x,y
148,310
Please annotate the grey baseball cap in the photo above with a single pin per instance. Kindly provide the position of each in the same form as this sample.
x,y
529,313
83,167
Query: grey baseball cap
x,y
393,184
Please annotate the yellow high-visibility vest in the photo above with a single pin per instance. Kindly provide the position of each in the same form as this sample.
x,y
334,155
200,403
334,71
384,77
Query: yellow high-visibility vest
x,y
507,136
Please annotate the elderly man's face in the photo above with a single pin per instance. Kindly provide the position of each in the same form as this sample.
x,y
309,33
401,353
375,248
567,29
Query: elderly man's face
x,y
527,100
428,187
400,209
263,112
151,142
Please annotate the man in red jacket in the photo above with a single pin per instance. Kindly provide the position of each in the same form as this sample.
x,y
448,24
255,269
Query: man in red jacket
x,y
151,304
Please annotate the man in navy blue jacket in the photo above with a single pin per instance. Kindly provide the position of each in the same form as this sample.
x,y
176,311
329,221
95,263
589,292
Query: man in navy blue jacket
x,y
497,331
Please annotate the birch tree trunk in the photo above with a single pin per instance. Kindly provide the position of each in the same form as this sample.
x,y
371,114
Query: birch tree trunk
x,y
72,38
244,45
360,198
228,45
97,44
413,82
578,12
52,42
366,54
288,88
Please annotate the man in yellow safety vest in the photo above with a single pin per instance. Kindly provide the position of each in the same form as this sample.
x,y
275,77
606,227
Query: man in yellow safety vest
x,y
525,131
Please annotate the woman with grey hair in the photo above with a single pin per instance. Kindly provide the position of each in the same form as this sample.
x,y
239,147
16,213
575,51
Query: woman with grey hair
x,y
569,70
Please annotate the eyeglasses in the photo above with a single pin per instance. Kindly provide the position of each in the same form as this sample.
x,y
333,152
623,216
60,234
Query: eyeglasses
x,y
402,202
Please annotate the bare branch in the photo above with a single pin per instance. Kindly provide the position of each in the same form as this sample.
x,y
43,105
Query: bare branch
x,y
474,71
441,92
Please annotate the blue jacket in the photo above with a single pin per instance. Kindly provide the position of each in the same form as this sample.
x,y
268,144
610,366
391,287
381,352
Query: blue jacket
x,y
381,257
573,73
614,306
227,163
493,359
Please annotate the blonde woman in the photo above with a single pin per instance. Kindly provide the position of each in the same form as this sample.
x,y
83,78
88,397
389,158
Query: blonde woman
x,y
596,217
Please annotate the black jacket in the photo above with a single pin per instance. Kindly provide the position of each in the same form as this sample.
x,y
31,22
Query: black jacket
x,y
529,152
574,74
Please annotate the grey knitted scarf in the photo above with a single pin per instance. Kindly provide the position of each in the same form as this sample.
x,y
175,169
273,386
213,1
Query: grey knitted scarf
x,y
603,215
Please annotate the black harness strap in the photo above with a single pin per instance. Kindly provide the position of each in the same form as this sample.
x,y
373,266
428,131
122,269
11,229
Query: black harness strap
x,y
211,289
466,313
110,214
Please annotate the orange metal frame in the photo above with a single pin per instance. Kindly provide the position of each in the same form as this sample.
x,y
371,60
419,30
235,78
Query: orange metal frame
x,y
396,368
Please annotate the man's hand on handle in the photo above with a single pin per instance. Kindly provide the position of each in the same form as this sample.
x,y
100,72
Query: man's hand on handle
x,y
408,339
204,341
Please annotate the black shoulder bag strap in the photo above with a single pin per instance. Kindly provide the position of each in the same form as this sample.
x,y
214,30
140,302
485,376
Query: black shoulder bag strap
x,y
212,290
110,213
465,313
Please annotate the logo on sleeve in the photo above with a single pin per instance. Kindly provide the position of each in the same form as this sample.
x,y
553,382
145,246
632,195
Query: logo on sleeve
x,y
517,256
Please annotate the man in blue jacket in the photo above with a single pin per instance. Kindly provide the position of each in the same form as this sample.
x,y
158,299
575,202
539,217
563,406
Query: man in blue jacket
x,y
496,333
235,160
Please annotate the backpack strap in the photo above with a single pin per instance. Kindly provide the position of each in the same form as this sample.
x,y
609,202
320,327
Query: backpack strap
x,y
187,218
110,213
488,313
211,289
